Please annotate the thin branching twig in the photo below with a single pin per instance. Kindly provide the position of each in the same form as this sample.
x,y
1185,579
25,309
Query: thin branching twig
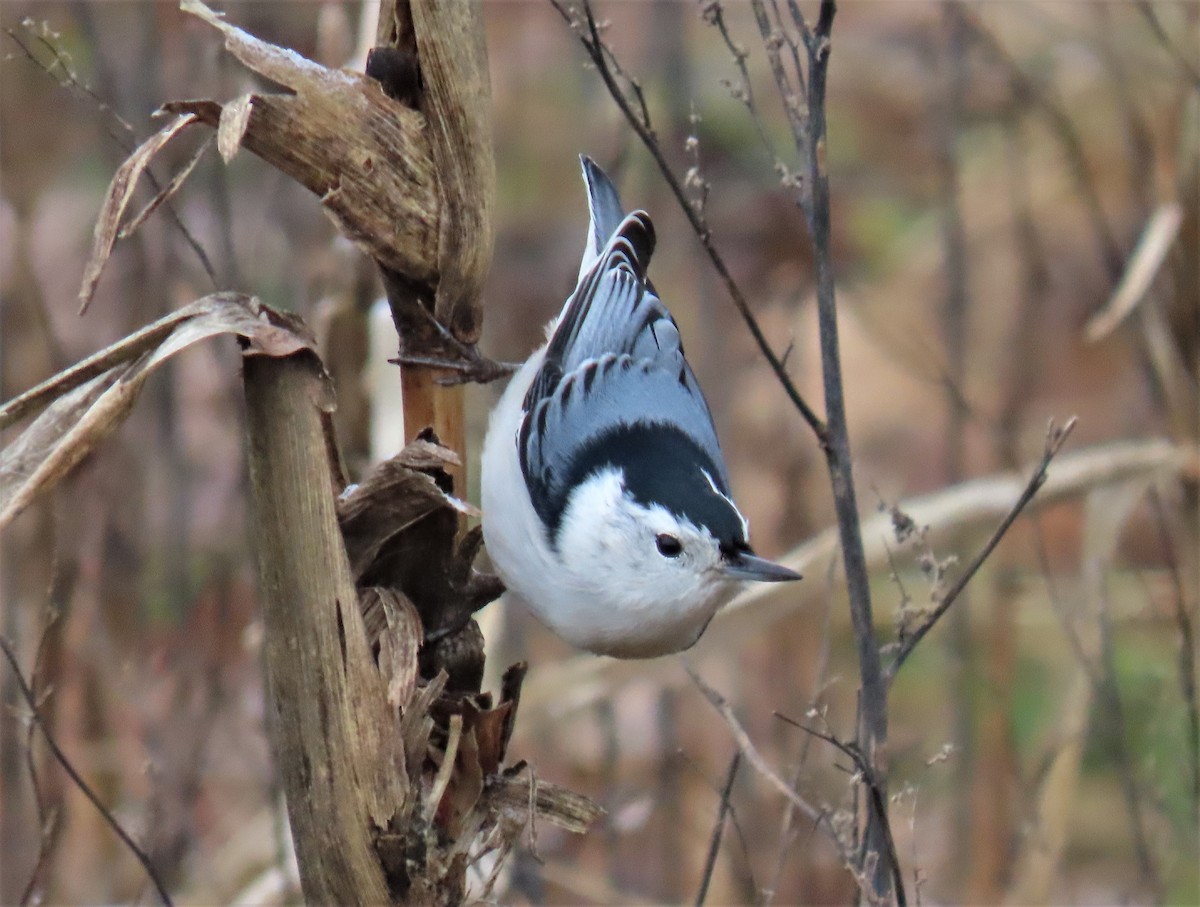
x,y
807,116
732,816
755,758
34,716
877,796
1061,126
714,14
1186,66
788,830
601,56
1055,438
1118,740
48,817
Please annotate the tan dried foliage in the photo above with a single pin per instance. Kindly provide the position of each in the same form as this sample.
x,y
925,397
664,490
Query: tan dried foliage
x,y
88,401
430,653
335,132
118,197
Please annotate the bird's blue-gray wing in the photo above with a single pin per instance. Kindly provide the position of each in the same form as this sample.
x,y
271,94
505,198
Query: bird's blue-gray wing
x,y
614,383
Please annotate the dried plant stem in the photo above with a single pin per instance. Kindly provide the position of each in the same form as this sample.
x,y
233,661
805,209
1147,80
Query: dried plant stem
x,y
1187,653
788,830
1027,89
808,123
1113,714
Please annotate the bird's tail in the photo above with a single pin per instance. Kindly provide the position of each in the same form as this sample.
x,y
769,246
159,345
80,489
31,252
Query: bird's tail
x,y
604,210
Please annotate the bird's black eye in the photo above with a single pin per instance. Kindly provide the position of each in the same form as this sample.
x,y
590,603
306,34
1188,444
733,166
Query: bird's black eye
x,y
668,545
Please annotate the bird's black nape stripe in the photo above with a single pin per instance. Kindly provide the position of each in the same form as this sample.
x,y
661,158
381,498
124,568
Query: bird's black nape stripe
x,y
661,465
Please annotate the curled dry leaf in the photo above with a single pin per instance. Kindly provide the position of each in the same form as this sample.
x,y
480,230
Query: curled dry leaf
x,y
92,398
117,199
400,525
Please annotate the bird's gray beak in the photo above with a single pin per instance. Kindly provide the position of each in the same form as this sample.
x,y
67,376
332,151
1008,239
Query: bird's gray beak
x,y
746,566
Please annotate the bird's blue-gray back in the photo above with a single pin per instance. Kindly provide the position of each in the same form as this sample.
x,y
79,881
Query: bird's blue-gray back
x,y
615,363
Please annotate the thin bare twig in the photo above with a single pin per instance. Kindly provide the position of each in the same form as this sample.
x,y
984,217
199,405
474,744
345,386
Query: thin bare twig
x,y
956,304
1055,438
714,14
1113,715
867,773
1058,606
1146,8
788,832
714,844
589,36
34,716
808,121
734,820
750,751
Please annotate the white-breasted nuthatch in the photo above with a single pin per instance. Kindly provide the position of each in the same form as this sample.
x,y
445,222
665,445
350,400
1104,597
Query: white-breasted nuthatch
x,y
606,503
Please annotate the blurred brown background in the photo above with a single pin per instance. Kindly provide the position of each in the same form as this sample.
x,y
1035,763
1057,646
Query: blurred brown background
x,y
992,171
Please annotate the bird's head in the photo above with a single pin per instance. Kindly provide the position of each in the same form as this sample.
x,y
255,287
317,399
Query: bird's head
x,y
653,529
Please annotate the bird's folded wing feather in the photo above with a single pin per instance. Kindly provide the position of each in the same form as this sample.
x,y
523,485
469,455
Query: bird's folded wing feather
x,y
615,359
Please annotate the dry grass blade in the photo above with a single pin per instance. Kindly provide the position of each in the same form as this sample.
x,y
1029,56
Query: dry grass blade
x,y
97,364
1140,271
116,200
93,398
1038,862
